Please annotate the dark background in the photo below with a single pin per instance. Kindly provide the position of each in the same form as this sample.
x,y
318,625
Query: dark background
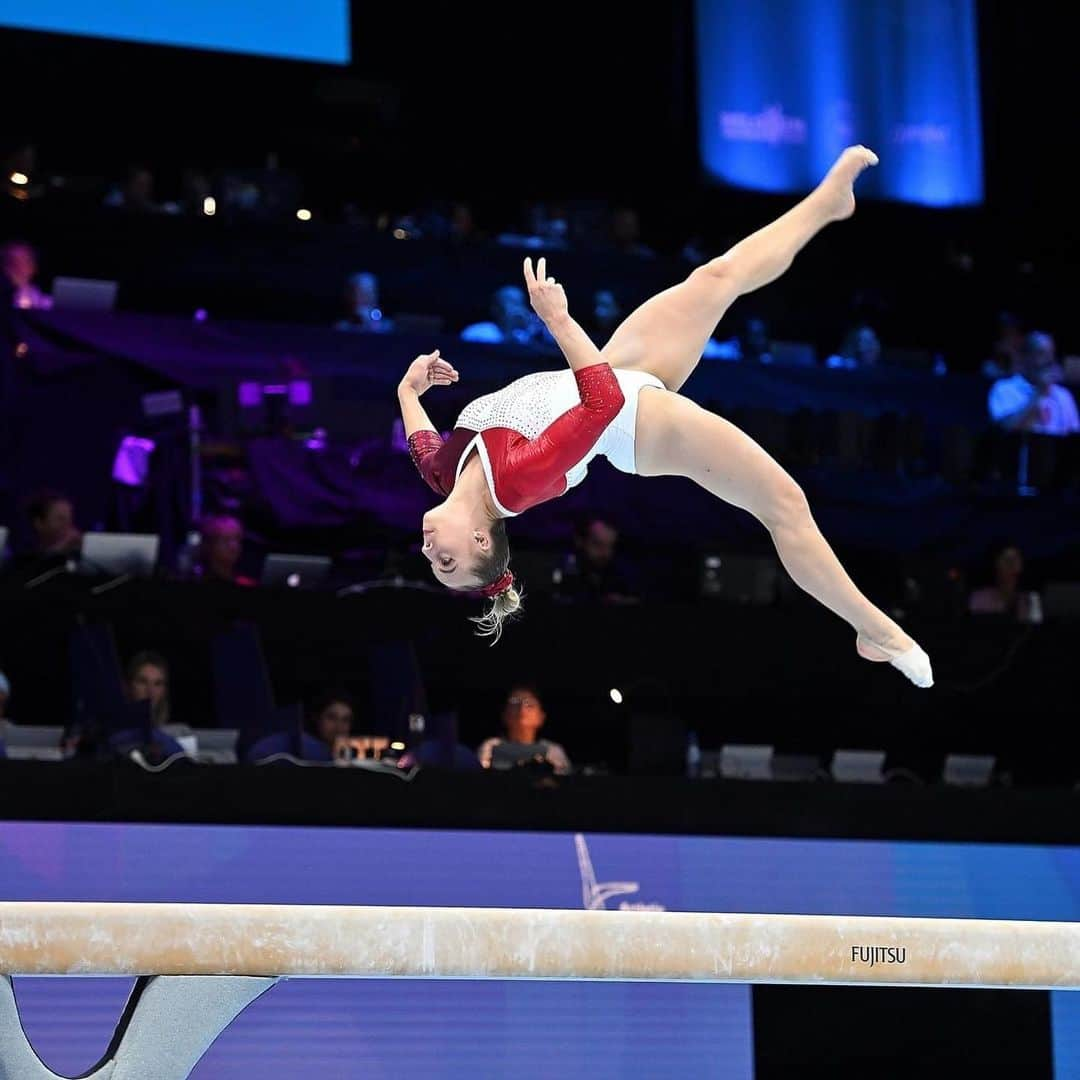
x,y
497,104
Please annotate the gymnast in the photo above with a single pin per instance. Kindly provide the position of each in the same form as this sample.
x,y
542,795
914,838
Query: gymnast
x,y
533,440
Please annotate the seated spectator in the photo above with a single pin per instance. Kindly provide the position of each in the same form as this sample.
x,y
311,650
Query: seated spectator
x,y
18,263
136,194
331,718
195,188
693,251
754,344
1008,348
439,220
861,349
523,717
591,573
221,543
626,233
53,521
1005,597
362,312
148,680
606,316
546,227
5,696
1033,399
513,322
550,224
462,224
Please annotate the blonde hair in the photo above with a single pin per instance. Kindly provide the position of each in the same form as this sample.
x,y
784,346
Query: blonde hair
x,y
493,564
507,605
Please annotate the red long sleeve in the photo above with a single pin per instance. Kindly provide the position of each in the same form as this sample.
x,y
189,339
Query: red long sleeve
x,y
426,448
534,470
523,471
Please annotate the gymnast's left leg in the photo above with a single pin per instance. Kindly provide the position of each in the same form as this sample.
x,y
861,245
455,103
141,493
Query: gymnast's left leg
x,y
666,335
676,437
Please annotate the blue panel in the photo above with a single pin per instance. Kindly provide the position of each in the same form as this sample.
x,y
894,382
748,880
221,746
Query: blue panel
x,y
404,1029
312,30
784,85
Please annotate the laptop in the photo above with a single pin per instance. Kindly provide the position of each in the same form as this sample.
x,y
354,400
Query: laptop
x,y
511,755
118,554
83,294
741,579
295,571
31,742
858,766
214,746
746,762
968,770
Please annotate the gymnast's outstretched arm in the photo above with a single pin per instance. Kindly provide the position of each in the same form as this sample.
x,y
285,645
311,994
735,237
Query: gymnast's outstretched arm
x,y
424,372
549,302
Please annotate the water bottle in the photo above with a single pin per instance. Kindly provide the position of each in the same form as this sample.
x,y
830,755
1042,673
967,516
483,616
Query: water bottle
x,y
1035,611
712,583
416,730
693,756
187,559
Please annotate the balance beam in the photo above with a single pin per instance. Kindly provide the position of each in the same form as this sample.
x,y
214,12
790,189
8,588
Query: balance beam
x,y
498,943
202,964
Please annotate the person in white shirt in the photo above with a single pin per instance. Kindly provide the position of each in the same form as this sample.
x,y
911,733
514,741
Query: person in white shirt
x,y
1032,399
512,323
523,717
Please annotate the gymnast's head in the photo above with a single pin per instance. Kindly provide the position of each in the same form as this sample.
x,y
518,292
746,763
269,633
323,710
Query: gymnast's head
x,y
469,551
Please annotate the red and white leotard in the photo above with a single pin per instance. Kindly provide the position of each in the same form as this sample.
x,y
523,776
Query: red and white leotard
x,y
536,437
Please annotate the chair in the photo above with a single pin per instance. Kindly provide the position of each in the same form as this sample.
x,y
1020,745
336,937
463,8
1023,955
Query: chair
x,y
441,749
397,689
100,706
244,699
298,744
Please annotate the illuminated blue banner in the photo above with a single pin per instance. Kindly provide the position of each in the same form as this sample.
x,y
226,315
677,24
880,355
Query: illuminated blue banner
x,y
313,30
785,85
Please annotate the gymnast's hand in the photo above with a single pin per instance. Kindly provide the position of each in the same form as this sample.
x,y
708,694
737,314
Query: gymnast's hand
x,y
427,371
545,294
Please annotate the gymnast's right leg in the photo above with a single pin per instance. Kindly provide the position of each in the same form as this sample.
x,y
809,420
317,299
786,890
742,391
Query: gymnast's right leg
x,y
676,437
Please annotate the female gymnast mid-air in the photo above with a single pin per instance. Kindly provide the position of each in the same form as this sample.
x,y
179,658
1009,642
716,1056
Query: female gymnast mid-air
x,y
533,440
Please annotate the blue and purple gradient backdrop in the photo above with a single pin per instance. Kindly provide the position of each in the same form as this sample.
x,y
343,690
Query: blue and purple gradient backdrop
x,y
313,30
784,85
341,1028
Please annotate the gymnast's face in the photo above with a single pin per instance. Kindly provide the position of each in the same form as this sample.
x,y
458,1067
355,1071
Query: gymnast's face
x,y
453,542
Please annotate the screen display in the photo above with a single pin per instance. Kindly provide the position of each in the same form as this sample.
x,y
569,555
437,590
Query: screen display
x,y
785,85
313,30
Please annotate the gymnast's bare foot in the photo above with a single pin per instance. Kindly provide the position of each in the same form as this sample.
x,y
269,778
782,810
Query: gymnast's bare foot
x,y
837,189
